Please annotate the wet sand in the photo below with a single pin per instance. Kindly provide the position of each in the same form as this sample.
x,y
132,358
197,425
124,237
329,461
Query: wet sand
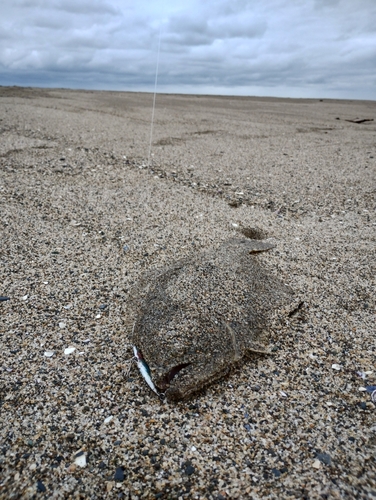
x,y
84,214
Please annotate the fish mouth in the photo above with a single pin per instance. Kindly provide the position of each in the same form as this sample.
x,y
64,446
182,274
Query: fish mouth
x,y
166,380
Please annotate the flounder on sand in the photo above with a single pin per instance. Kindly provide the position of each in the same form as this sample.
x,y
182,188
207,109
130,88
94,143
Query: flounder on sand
x,y
201,315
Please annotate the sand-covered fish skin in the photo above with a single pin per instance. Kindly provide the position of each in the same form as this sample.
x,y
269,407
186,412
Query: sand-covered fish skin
x,y
204,314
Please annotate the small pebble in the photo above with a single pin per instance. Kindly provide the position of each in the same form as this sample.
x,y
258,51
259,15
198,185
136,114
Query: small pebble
x,y
316,464
49,354
69,350
3,298
324,458
41,487
189,470
336,367
62,324
276,472
370,388
119,475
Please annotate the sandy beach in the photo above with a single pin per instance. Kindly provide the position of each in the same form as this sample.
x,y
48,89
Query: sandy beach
x,y
84,214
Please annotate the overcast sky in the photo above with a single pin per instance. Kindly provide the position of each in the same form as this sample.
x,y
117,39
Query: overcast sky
x,y
286,48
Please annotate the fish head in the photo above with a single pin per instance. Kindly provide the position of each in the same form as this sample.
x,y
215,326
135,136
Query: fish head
x,y
184,377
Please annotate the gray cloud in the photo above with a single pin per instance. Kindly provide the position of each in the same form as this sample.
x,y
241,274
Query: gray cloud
x,y
314,48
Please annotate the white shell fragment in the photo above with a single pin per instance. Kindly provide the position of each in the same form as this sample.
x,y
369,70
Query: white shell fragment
x,y
69,350
108,419
49,354
336,367
62,324
25,297
364,375
316,464
98,316
80,460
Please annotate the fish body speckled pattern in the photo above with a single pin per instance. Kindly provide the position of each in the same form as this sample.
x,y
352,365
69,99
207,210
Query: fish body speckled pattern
x,y
203,314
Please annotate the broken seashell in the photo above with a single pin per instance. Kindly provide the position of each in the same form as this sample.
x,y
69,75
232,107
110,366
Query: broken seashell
x,y
80,459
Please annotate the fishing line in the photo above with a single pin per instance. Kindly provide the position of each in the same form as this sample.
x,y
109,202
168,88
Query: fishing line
x,y
155,93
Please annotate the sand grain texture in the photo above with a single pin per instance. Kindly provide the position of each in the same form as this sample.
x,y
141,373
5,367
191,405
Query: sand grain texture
x,y
83,217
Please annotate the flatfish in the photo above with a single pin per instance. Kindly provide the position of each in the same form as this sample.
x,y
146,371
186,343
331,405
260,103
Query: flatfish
x,y
197,318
